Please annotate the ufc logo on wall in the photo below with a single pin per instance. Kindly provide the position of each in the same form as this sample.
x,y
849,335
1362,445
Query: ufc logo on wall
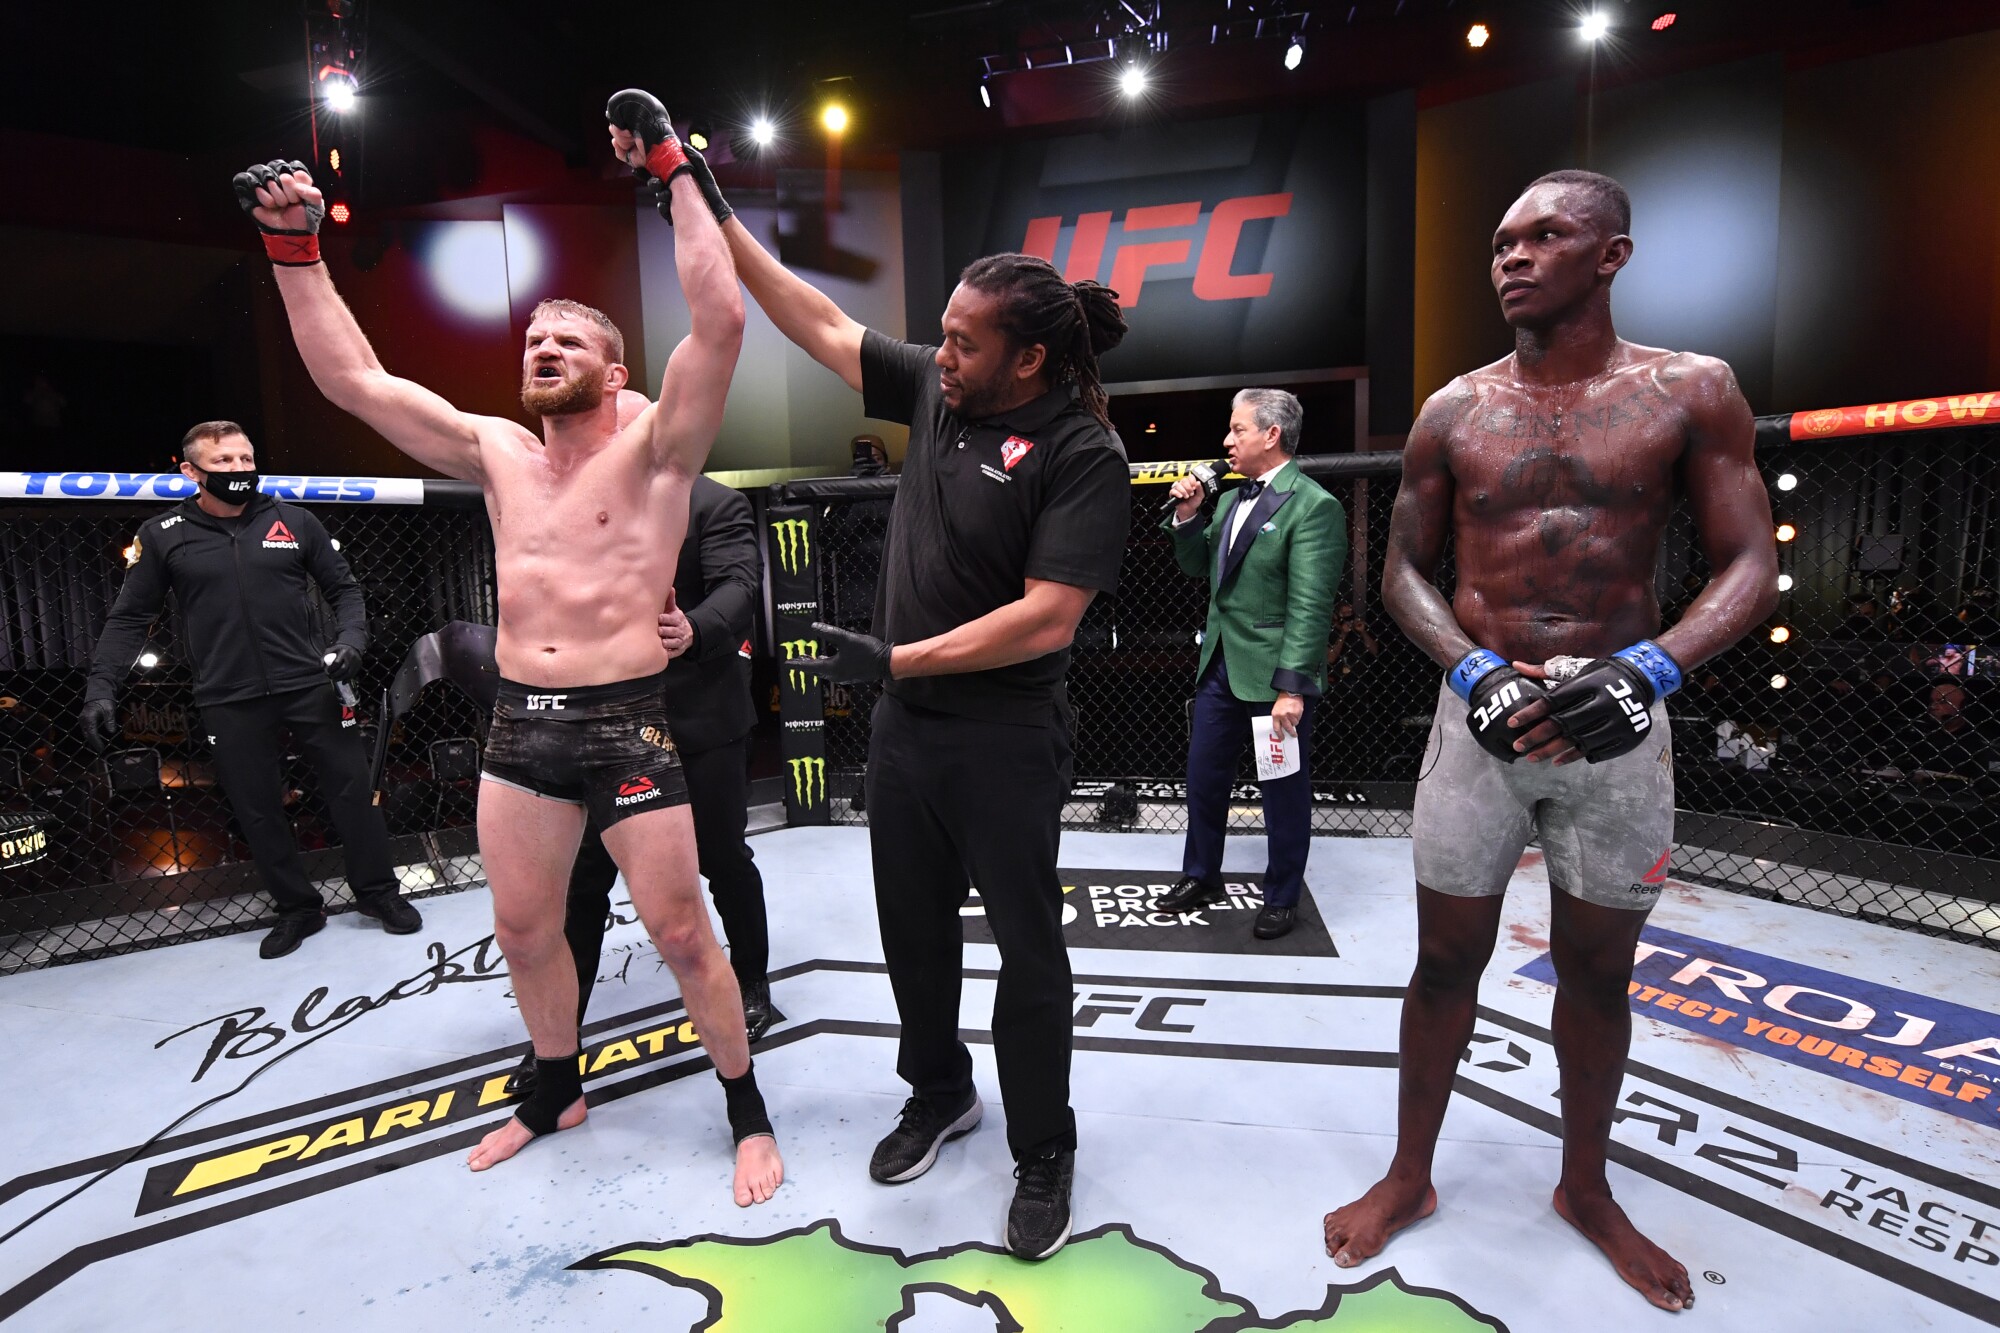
x,y
1213,280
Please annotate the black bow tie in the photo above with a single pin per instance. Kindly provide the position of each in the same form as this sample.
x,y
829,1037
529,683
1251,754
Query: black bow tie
x,y
1251,490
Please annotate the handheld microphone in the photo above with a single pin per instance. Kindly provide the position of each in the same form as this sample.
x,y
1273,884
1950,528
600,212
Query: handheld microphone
x,y
1210,476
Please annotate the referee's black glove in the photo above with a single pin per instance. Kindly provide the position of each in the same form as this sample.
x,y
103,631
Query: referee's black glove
x,y
850,656
343,662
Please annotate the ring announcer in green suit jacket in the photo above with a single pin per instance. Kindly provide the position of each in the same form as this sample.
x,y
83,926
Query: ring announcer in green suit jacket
x,y
1273,556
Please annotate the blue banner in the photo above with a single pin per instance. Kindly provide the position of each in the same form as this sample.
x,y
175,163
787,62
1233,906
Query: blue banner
x,y
1923,1050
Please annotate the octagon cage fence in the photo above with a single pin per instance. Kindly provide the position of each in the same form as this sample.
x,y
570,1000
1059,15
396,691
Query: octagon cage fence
x,y
1843,757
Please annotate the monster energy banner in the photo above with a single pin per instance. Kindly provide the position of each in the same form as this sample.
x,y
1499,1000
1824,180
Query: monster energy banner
x,y
794,564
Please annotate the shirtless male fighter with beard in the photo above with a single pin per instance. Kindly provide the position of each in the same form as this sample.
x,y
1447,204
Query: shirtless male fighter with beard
x,y
587,526
1556,469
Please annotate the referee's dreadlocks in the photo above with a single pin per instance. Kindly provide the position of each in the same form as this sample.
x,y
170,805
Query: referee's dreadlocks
x,y
1076,322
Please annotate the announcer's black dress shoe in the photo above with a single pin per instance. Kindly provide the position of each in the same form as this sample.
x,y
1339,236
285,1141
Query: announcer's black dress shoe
x,y
1190,892
1273,922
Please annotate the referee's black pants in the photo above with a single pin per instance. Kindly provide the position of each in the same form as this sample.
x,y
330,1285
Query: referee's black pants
x,y
954,803
245,738
718,782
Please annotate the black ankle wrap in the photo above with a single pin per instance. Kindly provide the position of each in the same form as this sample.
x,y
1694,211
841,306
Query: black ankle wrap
x,y
747,1116
558,1083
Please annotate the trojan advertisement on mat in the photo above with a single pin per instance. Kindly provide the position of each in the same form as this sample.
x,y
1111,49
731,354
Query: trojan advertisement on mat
x,y
1236,245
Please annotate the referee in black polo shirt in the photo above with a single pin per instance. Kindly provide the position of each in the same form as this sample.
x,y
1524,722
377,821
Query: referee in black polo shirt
x,y
1011,515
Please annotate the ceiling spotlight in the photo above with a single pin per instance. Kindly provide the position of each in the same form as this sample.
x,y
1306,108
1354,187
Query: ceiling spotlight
x,y
1786,532
1295,53
1664,21
337,86
834,118
1779,682
1788,481
333,158
763,132
1781,633
1594,26
1477,36
149,659
1132,81
340,213
1784,583
698,141
985,95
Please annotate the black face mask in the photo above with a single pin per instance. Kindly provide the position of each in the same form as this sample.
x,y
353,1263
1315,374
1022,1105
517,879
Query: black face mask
x,y
232,488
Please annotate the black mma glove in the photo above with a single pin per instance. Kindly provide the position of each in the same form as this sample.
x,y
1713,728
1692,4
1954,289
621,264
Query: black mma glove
x,y
1494,692
291,248
641,115
704,179
1606,709
851,657
99,720
343,662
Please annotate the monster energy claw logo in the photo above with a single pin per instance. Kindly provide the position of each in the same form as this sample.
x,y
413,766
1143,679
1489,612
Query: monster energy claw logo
x,y
794,544
794,648
808,775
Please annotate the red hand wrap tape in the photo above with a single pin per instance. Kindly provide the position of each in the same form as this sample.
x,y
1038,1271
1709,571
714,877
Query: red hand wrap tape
x,y
664,159
293,251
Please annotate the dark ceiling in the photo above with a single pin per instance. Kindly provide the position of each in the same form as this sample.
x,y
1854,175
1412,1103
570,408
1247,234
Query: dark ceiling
x,y
225,80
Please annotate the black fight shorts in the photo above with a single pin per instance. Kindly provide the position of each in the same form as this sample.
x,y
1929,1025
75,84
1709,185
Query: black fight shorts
x,y
603,747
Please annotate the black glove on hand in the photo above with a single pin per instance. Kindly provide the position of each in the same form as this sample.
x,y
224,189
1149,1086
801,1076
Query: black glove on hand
x,y
343,662
850,656
294,247
1605,709
704,179
1499,695
99,720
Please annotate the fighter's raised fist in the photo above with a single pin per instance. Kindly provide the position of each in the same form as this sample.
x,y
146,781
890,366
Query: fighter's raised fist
x,y
642,134
287,207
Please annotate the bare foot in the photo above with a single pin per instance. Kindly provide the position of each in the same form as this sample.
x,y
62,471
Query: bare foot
x,y
1657,1275
513,1136
759,1170
1360,1230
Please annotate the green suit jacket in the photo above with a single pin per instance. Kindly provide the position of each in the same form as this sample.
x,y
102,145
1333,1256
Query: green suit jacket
x,y
1271,595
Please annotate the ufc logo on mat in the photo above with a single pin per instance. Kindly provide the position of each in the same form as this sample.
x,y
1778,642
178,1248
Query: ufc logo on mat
x,y
1503,698
539,703
1635,712
1218,239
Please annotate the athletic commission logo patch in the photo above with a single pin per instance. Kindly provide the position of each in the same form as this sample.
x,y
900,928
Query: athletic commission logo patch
x,y
1823,422
280,537
1013,449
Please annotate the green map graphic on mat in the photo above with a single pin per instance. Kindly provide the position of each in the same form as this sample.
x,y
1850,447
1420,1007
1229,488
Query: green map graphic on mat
x,y
815,1280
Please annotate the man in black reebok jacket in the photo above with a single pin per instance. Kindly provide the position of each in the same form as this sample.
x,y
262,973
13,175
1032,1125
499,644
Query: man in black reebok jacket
x,y
238,562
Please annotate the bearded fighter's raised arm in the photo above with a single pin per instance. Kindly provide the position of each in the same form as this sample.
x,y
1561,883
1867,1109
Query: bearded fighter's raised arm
x,y
689,413
287,208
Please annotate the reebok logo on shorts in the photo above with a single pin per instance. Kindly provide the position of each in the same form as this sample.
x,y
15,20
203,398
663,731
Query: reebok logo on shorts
x,y
1650,883
280,538
346,716
636,791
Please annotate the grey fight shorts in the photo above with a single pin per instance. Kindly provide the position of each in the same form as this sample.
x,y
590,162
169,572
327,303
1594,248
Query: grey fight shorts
x,y
1606,829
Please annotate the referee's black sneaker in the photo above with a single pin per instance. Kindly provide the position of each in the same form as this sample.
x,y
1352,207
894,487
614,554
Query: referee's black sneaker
x,y
1190,892
396,915
290,930
1038,1220
912,1146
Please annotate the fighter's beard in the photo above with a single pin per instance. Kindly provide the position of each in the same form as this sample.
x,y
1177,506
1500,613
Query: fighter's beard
x,y
564,397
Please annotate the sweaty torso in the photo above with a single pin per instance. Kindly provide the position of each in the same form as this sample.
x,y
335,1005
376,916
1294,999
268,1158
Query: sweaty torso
x,y
585,541
1561,496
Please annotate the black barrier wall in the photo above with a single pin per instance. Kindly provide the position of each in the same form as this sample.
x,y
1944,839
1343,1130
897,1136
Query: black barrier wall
x,y
1843,757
